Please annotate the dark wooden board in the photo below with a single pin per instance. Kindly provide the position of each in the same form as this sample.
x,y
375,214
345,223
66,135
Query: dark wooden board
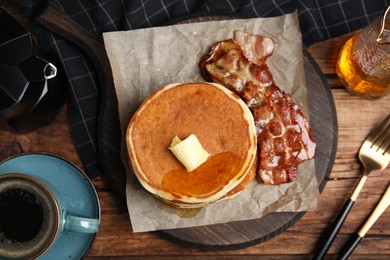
x,y
244,233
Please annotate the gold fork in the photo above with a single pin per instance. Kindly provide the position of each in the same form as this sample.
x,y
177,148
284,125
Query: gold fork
x,y
374,155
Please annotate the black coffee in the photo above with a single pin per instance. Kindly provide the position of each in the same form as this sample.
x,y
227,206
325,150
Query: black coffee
x,y
21,215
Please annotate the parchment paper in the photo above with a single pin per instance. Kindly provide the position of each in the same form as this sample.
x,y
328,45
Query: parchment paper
x,y
144,60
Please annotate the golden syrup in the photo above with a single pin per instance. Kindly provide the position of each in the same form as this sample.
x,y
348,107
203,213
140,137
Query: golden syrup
x,y
187,213
181,212
205,180
364,65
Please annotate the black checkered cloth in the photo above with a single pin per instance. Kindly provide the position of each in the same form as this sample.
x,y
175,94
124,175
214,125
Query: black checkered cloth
x,y
318,19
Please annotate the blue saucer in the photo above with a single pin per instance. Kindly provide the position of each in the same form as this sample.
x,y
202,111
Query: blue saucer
x,y
73,190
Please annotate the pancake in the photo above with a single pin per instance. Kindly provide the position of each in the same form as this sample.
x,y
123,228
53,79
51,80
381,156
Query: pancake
x,y
244,183
230,195
217,117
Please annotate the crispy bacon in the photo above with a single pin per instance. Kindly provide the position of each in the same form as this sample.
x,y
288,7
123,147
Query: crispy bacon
x,y
256,49
284,135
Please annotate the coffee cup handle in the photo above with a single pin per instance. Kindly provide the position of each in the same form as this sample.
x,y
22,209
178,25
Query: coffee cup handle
x,y
71,223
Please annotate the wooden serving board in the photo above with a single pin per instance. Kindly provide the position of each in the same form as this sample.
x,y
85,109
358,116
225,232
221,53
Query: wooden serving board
x,y
214,237
242,233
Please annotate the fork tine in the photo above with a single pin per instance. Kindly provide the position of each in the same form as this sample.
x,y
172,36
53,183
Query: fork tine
x,y
385,146
379,135
375,131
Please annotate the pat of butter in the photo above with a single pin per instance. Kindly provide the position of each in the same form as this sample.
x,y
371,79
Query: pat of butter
x,y
189,152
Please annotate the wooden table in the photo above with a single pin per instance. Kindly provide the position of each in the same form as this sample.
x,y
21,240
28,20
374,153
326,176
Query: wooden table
x,y
356,117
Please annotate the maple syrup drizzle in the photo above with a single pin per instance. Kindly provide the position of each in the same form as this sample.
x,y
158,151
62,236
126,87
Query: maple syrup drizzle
x,y
212,175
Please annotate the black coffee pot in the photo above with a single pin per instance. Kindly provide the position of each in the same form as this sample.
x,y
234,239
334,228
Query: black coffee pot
x,y
31,92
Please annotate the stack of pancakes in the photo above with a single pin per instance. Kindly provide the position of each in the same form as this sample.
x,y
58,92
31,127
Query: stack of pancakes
x,y
222,123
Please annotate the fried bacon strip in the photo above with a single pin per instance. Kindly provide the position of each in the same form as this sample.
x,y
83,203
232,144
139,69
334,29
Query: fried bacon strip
x,y
284,135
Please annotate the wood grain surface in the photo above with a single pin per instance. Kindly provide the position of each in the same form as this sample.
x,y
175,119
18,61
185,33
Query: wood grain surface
x,y
356,117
